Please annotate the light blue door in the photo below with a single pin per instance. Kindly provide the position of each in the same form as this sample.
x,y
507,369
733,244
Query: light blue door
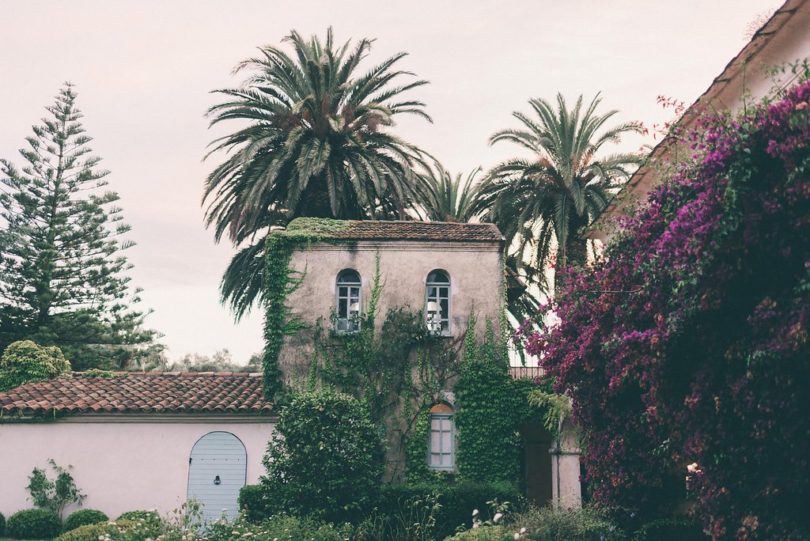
x,y
216,471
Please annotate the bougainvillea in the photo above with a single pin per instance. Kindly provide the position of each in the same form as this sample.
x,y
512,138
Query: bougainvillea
x,y
686,348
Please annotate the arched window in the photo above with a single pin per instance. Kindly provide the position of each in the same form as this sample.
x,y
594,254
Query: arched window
x,y
442,442
348,301
437,302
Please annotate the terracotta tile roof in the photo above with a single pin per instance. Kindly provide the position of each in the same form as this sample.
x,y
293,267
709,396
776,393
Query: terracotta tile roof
x,y
139,392
408,230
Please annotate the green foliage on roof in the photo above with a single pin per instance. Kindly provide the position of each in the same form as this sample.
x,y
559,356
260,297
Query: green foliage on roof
x,y
319,228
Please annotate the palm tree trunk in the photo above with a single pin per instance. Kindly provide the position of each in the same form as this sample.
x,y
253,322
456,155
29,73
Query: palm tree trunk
x,y
574,253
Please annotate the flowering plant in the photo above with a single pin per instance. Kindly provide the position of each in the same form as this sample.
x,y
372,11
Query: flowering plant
x,y
688,342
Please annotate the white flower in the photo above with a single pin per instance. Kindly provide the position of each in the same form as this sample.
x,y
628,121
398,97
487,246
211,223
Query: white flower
x,y
693,467
516,536
475,512
522,530
497,517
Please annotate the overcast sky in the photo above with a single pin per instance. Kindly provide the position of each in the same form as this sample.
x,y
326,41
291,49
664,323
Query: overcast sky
x,y
143,71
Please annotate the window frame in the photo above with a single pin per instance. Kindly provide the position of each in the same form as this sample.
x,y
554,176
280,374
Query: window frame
x,y
442,416
447,286
352,322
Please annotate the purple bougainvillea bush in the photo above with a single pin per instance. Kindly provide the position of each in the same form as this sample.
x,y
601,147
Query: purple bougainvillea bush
x,y
686,349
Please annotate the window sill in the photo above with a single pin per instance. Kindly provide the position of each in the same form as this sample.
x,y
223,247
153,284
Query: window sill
x,y
345,333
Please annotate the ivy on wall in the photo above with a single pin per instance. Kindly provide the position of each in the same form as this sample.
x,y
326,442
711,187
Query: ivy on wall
x,y
398,368
491,408
280,281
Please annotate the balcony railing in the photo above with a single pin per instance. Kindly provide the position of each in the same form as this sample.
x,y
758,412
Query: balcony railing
x,y
525,372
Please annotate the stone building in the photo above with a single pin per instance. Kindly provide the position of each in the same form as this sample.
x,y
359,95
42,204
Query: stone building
x,y
448,271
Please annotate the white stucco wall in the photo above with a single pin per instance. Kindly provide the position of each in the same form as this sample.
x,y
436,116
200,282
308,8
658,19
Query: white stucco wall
x,y
121,466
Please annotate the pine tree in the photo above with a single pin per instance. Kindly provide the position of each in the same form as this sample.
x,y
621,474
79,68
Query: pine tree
x,y
62,270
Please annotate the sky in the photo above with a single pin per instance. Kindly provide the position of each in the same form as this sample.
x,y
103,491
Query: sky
x,y
144,71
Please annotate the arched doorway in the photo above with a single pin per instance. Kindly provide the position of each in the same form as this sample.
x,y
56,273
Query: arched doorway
x,y
217,470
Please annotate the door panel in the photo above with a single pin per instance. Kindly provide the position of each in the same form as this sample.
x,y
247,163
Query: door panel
x,y
216,473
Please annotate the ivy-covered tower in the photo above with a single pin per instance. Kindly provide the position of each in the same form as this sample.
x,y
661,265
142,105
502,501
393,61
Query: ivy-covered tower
x,y
330,274
380,309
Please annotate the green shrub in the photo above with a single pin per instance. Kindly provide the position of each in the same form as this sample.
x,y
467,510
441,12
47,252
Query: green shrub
x,y
484,533
25,361
253,503
549,524
2,524
55,494
90,532
456,502
326,458
82,518
147,516
670,529
279,528
116,531
33,524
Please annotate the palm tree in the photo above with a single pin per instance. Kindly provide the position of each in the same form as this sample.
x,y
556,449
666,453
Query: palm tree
x,y
311,141
444,198
543,204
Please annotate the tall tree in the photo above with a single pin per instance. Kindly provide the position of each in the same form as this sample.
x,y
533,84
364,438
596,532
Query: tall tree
x,y
62,268
543,204
445,198
312,141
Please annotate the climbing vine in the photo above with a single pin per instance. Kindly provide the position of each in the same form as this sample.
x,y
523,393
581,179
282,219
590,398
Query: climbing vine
x,y
492,407
280,281
398,368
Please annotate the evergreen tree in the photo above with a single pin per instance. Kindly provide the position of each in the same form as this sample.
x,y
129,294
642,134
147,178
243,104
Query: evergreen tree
x,y
62,269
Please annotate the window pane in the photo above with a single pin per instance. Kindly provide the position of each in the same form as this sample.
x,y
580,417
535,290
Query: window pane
x,y
342,308
446,442
349,277
438,276
435,460
447,460
435,442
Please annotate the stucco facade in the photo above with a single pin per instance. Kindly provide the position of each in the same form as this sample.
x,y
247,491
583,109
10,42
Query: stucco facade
x,y
475,270
122,463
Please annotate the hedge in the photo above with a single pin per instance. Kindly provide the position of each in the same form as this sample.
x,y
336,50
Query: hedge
x,y
548,524
33,524
146,516
2,524
84,517
110,530
456,502
670,529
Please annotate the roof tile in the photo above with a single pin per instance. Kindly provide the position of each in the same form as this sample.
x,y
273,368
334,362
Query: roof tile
x,y
408,231
139,392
